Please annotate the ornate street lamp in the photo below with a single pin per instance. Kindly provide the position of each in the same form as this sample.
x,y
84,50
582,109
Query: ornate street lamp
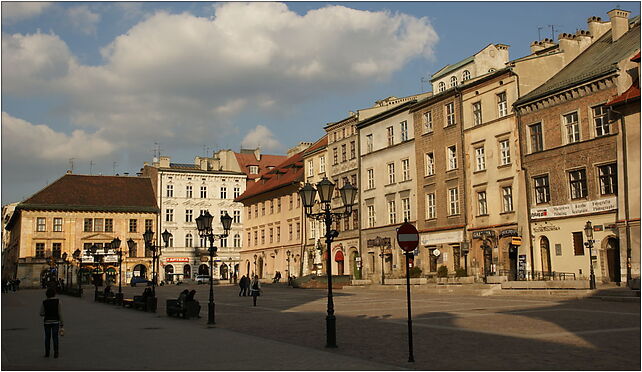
x,y
64,260
325,188
288,253
77,255
148,237
204,226
115,244
588,231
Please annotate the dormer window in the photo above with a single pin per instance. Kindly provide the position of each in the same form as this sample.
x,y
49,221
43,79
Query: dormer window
x,y
442,87
465,75
453,81
254,169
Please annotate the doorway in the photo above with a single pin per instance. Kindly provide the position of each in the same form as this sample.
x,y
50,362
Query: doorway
x,y
545,250
224,271
259,267
338,257
140,271
512,262
613,260
169,273
203,269
187,272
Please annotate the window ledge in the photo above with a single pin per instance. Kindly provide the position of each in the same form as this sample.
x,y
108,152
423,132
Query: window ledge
x,y
450,126
505,165
427,133
479,171
404,181
508,212
482,215
455,215
390,184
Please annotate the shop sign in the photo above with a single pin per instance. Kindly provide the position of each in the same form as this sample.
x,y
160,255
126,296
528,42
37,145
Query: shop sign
x,y
517,240
483,233
442,237
508,232
110,259
436,252
545,228
176,259
592,206
598,228
87,259
378,242
204,259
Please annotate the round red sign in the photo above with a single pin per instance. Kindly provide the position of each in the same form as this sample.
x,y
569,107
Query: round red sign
x,y
407,237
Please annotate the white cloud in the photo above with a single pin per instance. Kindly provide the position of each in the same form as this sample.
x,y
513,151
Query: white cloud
x,y
83,19
16,11
262,137
23,141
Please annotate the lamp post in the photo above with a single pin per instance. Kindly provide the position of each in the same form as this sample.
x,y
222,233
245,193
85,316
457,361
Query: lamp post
x,y
93,250
64,260
115,244
148,237
204,225
77,255
588,230
288,253
325,189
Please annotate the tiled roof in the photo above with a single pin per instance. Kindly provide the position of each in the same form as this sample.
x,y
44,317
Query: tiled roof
x,y
184,166
320,144
288,172
597,60
449,68
631,94
105,193
247,159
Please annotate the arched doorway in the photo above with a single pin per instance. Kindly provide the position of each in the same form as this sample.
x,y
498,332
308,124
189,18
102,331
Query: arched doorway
x,y
187,272
338,258
259,267
354,265
169,271
613,259
203,269
111,274
545,250
224,269
140,271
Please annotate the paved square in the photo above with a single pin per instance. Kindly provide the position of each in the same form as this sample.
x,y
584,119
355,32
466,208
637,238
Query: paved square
x,y
287,331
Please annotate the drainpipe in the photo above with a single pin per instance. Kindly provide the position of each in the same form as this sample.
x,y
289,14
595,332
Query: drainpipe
x,y
463,163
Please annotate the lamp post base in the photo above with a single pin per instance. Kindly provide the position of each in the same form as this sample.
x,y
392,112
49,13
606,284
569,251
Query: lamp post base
x,y
210,313
331,331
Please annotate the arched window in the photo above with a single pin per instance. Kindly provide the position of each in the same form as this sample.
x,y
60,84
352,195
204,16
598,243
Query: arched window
x,y
442,86
237,240
223,242
465,75
453,81
188,240
132,250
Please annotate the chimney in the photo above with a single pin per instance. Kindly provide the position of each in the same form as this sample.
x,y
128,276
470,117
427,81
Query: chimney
x,y
548,43
584,38
257,154
164,162
569,45
619,22
536,46
596,27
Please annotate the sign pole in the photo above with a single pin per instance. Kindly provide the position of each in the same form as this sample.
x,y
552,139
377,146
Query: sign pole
x,y
411,357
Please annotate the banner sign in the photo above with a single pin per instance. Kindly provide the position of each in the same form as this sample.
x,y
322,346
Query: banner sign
x,y
483,233
592,206
177,259
508,232
110,259
442,237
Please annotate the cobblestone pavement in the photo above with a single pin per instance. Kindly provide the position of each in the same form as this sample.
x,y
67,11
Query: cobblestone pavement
x,y
287,331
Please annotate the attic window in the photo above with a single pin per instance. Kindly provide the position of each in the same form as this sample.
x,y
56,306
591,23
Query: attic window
x,y
254,169
465,75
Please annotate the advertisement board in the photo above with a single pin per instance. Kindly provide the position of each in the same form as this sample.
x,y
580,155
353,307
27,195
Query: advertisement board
x,y
565,210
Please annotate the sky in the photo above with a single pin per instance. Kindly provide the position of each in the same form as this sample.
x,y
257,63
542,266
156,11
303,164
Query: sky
x,y
101,84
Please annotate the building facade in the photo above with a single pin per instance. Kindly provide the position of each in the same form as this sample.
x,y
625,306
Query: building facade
x,y
76,212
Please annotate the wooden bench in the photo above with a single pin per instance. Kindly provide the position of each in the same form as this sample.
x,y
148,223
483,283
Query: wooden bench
x,y
128,302
190,309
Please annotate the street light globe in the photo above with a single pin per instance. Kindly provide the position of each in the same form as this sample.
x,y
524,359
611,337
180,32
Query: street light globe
x,y
148,236
166,236
226,221
308,194
348,193
588,230
325,188
115,244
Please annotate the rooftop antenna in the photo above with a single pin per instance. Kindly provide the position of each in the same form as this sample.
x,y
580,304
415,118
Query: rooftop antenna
x,y
423,80
114,167
539,33
71,164
553,30
91,167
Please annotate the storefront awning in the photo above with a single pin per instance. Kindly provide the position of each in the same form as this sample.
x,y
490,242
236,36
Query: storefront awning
x,y
338,256
111,270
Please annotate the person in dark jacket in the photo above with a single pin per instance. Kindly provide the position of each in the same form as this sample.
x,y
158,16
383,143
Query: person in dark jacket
x,y
255,289
244,283
52,313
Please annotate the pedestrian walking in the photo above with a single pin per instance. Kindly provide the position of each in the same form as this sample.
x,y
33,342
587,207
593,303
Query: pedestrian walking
x,y
52,313
255,289
244,283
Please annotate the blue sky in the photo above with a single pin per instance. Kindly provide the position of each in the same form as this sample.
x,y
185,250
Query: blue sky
x,y
102,82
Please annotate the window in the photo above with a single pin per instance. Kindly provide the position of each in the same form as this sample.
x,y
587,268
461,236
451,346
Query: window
x,y
56,250
255,211
88,225
335,156
278,205
99,224
578,243
249,239
608,179
188,191
237,192
298,230
263,208
542,190
391,173
237,217
278,234
353,180
572,127
537,141
442,86
600,118
344,153
223,242
223,192
480,159
391,135
170,191
404,131
40,224
427,121
254,169
132,250
290,231
453,195
507,197
371,216
271,206
353,149
392,212
453,81
482,205
57,224
188,215
310,167
256,237
578,183
502,105
504,152
262,236
133,224
189,240
452,157
313,229
322,164
431,208
169,215
368,143
465,75
430,164
355,219
477,113
148,224
371,182
109,225
237,240
203,192
405,208
405,169
450,114
40,250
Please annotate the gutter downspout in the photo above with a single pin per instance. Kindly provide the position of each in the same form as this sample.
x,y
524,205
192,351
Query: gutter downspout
x,y
528,192
461,137
304,226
